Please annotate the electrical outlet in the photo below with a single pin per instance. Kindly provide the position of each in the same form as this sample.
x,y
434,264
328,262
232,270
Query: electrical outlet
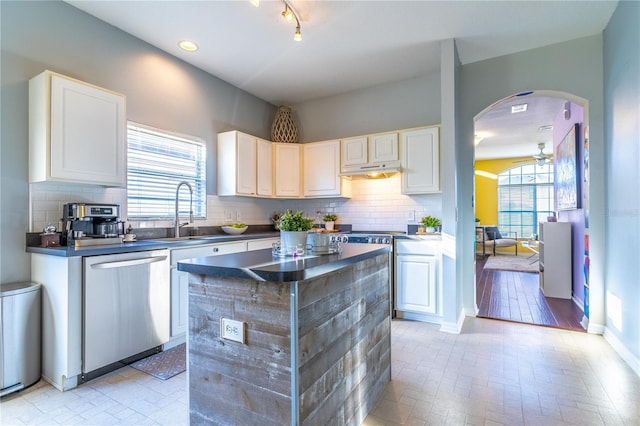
x,y
228,216
238,216
412,215
232,330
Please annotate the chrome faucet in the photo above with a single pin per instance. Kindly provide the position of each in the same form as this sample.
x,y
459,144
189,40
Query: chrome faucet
x,y
178,224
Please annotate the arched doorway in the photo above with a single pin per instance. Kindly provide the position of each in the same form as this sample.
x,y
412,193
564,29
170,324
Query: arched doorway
x,y
526,128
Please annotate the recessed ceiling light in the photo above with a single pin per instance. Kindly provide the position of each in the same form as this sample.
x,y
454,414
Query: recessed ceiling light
x,y
518,108
187,45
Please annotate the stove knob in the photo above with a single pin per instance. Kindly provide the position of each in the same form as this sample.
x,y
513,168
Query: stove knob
x,y
385,240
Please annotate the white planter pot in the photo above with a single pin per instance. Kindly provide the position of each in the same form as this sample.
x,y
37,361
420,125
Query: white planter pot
x,y
290,241
329,225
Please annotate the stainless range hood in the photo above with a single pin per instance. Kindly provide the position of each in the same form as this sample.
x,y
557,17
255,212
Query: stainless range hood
x,y
373,171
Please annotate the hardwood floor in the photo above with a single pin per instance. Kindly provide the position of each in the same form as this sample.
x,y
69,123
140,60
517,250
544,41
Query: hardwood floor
x,y
516,296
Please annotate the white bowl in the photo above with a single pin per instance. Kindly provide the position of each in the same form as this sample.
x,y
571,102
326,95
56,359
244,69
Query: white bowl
x,y
234,231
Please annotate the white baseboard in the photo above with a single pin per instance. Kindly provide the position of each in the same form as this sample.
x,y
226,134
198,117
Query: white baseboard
x,y
632,360
175,341
578,303
453,328
593,328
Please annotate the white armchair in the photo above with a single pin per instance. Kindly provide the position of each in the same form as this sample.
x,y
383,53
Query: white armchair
x,y
492,237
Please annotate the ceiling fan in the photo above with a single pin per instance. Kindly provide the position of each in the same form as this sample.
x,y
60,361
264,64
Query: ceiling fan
x,y
541,158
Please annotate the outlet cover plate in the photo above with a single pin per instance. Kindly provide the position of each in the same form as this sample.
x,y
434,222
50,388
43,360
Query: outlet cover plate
x,y
232,330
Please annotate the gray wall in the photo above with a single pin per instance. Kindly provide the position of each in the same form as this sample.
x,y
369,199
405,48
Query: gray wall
x,y
622,142
161,91
392,106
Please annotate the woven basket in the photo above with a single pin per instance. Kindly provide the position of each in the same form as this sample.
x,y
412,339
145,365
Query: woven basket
x,y
284,128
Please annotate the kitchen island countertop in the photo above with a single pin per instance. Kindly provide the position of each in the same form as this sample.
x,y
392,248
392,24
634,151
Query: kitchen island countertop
x,y
262,265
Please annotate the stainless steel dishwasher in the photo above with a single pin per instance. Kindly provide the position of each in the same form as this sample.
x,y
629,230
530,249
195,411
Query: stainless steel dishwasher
x,y
126,308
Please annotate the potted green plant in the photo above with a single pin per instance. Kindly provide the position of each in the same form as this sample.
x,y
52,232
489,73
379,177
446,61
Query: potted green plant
x,y
431,223
293,231
329,220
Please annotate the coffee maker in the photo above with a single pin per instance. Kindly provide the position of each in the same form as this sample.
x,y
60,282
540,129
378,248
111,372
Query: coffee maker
x,y
81,220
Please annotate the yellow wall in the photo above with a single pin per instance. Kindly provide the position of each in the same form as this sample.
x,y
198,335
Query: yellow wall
x,y
487,188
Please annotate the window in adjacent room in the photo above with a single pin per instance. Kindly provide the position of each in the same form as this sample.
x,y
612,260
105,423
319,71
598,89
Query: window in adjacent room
x,y
525,197
158,161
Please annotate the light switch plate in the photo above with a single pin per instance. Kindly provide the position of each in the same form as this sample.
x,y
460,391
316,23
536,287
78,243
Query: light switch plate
x,y
232,330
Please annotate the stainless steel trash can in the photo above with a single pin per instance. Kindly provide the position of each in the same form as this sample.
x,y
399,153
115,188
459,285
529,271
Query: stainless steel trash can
x,y
20,336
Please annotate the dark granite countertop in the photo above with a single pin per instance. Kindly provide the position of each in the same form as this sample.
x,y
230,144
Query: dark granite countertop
x,y
262,265
150,244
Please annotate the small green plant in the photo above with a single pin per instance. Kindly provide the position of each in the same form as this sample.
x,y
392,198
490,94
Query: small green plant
x,y
330,217
431,222
289,221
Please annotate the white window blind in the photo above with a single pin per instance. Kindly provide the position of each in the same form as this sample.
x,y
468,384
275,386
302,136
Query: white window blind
x,y
525,198
158,161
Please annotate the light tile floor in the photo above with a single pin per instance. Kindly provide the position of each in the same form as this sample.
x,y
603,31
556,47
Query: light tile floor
x,y
494,373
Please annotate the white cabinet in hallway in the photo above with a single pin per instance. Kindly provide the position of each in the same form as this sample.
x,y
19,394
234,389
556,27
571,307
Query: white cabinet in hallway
x,y
420,153
555,259
76,132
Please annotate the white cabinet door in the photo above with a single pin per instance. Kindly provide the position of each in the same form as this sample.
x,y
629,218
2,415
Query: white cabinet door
x,y
354,151
420,150
262,243
180,281
237,156
246,164
76,132
416,284
264,168
383,147
321,167
287,164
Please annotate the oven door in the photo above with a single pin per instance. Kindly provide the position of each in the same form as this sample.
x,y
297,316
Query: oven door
x,y
126,306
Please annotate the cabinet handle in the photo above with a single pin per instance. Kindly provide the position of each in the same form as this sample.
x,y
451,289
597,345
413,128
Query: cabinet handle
x,y
124,263
216,249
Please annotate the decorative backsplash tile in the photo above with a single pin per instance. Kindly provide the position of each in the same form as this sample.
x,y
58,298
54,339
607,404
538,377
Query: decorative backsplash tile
x,y
376,205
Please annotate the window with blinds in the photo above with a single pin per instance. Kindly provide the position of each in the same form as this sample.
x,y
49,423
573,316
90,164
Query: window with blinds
x,y
525,198
158,161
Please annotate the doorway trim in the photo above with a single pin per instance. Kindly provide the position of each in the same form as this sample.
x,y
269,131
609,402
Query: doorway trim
x,y
592,300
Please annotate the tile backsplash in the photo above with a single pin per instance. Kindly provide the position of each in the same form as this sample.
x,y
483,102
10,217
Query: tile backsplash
x,y
376,205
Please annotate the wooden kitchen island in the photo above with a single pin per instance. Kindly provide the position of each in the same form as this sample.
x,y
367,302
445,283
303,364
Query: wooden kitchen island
x,y
317,346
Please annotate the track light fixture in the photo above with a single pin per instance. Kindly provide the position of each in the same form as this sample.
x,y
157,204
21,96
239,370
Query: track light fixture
x,y
289,14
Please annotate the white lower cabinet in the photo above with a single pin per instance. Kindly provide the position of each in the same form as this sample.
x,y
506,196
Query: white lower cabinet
x,y
180,284
263,243
180,280
417,281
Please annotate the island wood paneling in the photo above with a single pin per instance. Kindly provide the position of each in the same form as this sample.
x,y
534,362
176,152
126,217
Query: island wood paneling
x,y
344,347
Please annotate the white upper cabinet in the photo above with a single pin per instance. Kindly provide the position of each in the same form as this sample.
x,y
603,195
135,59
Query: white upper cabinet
x,y
287,169
264,168
361,151
420,151
321,168
354,151
76,132
383,147
244,165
